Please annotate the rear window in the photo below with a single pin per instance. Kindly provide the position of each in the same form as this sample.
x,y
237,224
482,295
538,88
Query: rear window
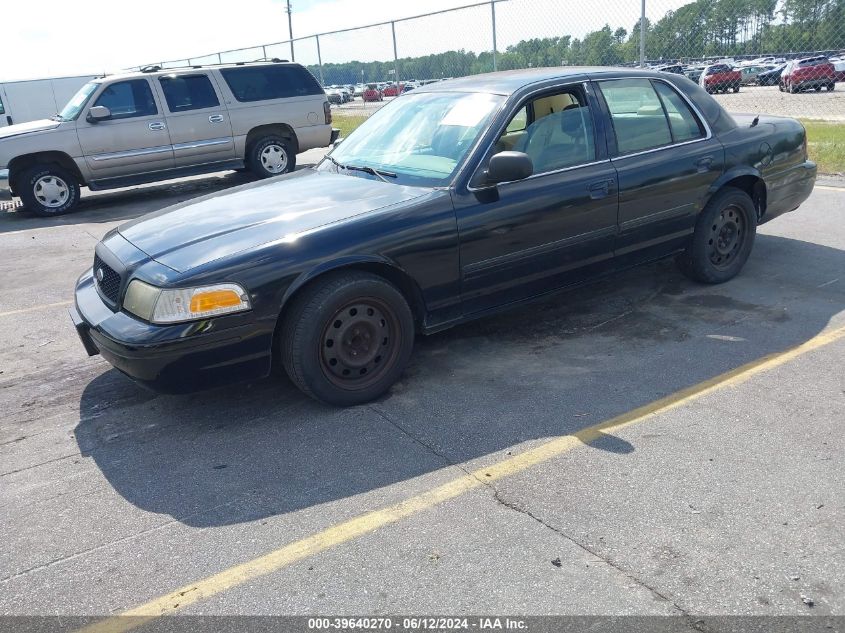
x,y
189,92
816,61
260,83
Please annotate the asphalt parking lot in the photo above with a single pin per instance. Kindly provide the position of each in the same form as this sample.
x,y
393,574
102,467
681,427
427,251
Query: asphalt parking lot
x,y
641,446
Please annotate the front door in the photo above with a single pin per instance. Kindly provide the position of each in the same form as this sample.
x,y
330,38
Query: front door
x,y
666,159
199,126
524,238
134,140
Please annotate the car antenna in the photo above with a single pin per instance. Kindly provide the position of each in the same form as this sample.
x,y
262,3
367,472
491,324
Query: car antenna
x,y
755,121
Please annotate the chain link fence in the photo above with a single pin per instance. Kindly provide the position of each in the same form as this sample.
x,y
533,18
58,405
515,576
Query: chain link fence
x,y
760,42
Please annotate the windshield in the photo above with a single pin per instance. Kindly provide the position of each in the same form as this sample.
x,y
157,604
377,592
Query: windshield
x,y
77,102
420,139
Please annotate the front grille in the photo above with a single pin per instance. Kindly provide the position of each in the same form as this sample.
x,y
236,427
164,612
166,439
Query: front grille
x,y
108,281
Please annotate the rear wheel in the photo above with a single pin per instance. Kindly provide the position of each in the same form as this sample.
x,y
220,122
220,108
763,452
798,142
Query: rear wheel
x,y
830,87
723,238
271,156
48,190
347,338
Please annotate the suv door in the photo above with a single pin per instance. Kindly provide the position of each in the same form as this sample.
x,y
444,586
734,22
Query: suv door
x,y
524,238
666,159
199,125
134,140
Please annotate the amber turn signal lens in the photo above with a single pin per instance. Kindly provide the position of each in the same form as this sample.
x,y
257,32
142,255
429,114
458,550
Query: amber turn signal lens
x,y
214,299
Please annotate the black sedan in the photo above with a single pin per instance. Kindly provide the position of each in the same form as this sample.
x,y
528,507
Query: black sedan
x,y
770,77
453,202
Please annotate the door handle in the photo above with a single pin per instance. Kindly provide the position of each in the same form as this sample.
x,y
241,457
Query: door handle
x,y
600,189
215,118
703,164
157,125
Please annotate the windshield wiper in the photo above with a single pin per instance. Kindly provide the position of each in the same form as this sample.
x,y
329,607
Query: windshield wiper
x,y
384,175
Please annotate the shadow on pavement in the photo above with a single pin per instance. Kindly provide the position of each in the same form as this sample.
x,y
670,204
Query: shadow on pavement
x,y
552,368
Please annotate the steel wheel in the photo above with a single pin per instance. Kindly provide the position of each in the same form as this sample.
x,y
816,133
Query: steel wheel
x,y
359,342
274,159
51,191
726,237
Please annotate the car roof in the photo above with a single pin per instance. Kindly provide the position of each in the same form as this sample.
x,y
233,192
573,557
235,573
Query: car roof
x,y
154,71
508,82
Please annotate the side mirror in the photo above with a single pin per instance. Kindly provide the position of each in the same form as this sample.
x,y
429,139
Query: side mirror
x,y
507,166
98,113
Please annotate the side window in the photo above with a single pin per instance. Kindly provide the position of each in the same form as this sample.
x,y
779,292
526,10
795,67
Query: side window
x,y
190,92
127,99
559,132
683,123
2,109
636,112
519,121
260,83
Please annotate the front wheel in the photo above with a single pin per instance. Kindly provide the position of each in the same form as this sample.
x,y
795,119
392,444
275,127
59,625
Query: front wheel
x,y
723,238
48,190
271,156
347,338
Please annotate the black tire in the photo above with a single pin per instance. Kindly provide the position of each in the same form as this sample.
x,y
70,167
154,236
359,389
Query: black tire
x,y
271,156
831,87
378,324
48,190
723,238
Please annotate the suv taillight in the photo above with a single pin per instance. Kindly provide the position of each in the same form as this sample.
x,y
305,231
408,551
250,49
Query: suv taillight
x,y
327,110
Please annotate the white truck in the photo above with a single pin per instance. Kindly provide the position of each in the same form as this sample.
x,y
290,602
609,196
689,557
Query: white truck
x,y
30,100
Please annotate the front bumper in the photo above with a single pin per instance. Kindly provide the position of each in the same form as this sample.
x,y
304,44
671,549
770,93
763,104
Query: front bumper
x,y
177,358
5,189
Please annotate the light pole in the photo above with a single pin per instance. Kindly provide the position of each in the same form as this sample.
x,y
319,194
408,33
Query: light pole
x,y
290,32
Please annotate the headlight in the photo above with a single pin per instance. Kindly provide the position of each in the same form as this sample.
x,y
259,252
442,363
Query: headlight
x,y
183,304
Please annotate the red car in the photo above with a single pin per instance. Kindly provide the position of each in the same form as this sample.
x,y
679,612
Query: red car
x,y
393,90
372,93
809,73
720,77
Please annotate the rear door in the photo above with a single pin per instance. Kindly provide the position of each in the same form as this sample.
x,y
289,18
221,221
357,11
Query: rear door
x,y
666,159
199,124
134,140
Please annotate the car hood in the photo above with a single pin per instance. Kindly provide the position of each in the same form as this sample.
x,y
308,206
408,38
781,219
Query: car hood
x,y
205,229
25,128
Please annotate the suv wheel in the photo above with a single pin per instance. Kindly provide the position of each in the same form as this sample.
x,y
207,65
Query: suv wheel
x,y
271,156
723,238
347,338
48,190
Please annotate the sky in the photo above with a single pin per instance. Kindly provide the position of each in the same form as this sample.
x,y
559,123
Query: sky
x,y
53,38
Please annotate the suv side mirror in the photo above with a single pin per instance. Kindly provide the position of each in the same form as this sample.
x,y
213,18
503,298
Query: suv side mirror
x,y
98,113
507,166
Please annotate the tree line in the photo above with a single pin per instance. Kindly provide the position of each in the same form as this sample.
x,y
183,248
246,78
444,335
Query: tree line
x,y
700,29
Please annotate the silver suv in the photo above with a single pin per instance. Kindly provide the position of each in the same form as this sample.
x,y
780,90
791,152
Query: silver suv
x,y
158,124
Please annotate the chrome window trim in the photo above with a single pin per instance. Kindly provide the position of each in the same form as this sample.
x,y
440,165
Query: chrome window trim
x,y
160,149
502,127
695,110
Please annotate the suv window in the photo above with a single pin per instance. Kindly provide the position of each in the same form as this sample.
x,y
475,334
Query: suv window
x,y
683,123
126,99
188,92
258,83
636,111
559,133
815,61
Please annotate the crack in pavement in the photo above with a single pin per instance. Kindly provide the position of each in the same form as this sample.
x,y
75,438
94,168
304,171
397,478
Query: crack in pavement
x,y
497,497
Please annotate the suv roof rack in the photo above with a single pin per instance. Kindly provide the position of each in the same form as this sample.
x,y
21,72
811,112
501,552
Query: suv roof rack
x,y
155,68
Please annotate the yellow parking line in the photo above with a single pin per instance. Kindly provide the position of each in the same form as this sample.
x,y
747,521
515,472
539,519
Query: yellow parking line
x,y
35,308
371,521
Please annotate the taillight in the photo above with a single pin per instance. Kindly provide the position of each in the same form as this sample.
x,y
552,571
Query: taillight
x,y
327,111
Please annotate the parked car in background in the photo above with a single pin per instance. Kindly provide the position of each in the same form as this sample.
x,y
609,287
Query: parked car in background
x,y
839,69
407,88
750,73
373,93
334,96
359,90
808,74
694,73
393,90
454,202
675,69
157,124
720,78
30,100
770,77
